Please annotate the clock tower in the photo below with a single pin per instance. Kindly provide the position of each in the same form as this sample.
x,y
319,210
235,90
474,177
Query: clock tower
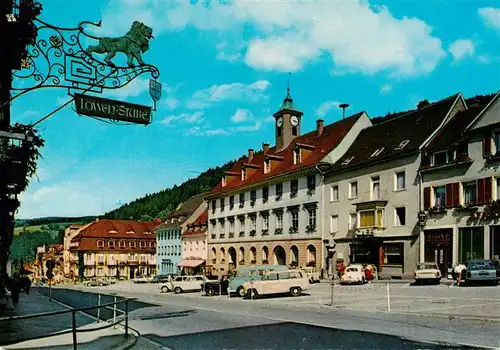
x,y
287,122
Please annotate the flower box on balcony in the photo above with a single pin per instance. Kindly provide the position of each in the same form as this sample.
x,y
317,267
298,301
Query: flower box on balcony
x,y
231,234
252,233
438,209
293,230
278,231
242,233
222,235
310,228
214,236
265,232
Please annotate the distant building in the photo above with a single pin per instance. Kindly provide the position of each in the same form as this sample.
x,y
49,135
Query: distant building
x,y
169,234
119,248
70,260
49,252
194,245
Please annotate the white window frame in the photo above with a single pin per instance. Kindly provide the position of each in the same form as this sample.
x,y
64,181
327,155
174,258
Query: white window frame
x,y
353,221
253,222
434,203
312,218
495,148
396,217
279,220
350,189
464,185
243,174
374,180
447,156
334,198
296,156
396,180
265,222
267,165
334,224
292,218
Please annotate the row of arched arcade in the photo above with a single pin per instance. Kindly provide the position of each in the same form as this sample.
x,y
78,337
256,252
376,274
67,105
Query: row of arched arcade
x,y
275,255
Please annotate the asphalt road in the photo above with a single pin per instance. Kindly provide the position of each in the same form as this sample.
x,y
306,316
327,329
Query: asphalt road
x,y
189,321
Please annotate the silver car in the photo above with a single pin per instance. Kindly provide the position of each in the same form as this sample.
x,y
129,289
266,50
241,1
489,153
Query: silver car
x,y
481,271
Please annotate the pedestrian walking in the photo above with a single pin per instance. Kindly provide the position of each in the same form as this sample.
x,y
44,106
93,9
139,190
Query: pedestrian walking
x,y
457,272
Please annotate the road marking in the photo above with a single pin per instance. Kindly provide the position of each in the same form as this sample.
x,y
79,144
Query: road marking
x,y
456,307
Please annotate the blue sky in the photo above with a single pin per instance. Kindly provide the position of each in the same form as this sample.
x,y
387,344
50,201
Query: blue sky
x,y
224,70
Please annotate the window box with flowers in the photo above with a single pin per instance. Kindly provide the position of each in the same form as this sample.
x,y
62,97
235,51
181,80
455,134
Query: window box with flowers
x,y
278,231
242,262
242,233
492,210
214,236
252,233
467,206
438,209
231,234
265,232
222,235
310,228
293,230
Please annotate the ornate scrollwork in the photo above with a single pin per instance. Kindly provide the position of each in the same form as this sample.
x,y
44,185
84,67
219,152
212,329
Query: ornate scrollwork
x,y
59,59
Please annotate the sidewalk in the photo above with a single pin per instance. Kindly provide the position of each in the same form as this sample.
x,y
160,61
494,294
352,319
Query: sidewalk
x,y
14,334
443,281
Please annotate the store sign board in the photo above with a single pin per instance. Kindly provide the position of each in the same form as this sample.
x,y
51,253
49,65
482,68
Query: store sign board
x,y
112,109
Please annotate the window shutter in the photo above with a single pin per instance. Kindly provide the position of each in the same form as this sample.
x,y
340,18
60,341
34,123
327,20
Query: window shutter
x,y
487,189
480,191
456,194
427,197
449,195
486,144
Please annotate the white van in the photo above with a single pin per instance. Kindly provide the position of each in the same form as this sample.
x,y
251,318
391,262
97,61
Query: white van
x,y
278,282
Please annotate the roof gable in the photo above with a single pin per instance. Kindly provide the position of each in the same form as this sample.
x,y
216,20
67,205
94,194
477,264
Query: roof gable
x,y
283,161
400,135
493,104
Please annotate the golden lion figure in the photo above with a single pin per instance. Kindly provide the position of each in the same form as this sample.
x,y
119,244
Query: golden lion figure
x,y
132,44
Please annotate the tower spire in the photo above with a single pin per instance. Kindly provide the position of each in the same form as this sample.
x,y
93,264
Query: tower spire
x,y
288,97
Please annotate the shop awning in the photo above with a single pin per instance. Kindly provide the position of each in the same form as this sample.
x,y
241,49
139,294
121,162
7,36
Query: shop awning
x,y
190,263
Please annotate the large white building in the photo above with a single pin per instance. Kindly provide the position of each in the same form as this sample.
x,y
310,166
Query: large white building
x,y
268,208
461,188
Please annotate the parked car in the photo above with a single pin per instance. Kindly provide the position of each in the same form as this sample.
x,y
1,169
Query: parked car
x,y
141,279
312,273
247,273
427,272
354,274
213,287
111,280
480,271
96,282
161,279
187,284
293,282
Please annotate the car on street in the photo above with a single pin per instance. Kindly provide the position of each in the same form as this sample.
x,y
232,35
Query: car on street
x,y
480,270
216,287
313,274
161,278
95,282
247,273
427,272
186,283
142,279
354,274
292,282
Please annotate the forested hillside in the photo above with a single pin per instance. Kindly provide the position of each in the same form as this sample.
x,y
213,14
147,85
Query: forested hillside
x,y
28,238
161,204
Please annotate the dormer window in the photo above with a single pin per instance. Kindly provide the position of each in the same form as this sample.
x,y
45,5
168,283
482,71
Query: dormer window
x,y
296,156
100,244
130,232
113,231
224,182
377,152
267,165
443,157
347,161
243,174
402,145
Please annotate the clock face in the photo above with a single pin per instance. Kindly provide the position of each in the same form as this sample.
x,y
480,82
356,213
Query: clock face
x,y
294,120
279,122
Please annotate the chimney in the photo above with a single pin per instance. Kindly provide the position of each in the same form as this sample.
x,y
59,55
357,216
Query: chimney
x,y
250,155
422,104
265,146
319,127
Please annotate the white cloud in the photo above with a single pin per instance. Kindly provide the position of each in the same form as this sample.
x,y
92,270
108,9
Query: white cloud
x,y
324,108
171,102
245,128
136,87
189,118
241,115
30,113
386,88
235,91
229,52
269,119
461,48
350,32
199,131
490,16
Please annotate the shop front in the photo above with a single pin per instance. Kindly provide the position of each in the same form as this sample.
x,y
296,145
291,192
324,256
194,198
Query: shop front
x,y
439,248
495,242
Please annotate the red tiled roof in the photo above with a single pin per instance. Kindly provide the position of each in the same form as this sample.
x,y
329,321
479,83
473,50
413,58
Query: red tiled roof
x,y
90,244
332,135
198,226
102,228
